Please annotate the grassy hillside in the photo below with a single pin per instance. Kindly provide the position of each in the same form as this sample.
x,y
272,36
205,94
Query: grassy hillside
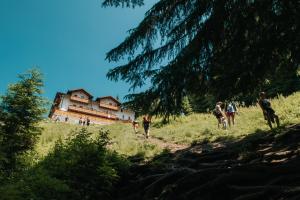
x,y
183,130
123,140
197,127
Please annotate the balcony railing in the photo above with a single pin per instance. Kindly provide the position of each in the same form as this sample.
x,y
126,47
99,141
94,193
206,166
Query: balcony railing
x,y
92,112
111,107
79,99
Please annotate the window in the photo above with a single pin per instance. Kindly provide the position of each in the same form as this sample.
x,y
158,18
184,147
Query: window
x,y
82,97
123,117
128,117
75,95
121,110
110,104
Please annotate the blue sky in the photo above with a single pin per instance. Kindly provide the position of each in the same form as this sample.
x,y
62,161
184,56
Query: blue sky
x,y
67,39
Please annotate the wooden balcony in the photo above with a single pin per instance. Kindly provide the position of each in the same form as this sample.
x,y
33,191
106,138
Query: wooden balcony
x,y
73,98
92,112
111,107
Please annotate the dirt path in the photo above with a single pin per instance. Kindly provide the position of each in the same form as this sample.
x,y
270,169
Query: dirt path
x,y
173,147
167,145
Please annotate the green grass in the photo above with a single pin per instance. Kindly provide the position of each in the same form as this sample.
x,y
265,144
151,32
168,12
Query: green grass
x,y
123,139
199,127
183,130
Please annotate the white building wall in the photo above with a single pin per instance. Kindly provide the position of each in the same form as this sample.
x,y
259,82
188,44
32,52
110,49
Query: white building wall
x,y
65,102
125,115
95,106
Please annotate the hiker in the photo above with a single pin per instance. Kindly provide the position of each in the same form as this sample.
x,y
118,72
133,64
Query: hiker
x,y
66,119
146,125
135,125
80,121
221,117
88,121
83,122
268,112
231,109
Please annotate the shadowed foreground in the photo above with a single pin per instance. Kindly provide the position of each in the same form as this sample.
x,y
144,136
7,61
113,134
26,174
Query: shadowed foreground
x,y
260,166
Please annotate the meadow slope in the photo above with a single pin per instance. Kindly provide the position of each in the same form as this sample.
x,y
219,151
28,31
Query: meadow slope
x,y
195,128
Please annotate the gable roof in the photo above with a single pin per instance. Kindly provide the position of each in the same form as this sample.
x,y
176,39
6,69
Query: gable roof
x,y
80,90
109,97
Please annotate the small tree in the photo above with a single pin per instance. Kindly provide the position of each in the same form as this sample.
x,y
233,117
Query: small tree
x,y
186,106
21,108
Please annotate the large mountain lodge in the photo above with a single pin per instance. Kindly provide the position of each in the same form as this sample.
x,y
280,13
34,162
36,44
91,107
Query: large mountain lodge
x,y
78,105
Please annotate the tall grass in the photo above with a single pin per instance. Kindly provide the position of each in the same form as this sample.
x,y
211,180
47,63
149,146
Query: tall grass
x,y
182,130
248,120
122,137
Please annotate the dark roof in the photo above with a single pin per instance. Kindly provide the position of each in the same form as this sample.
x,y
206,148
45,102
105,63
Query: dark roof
x,y
82,90
109,97
58,94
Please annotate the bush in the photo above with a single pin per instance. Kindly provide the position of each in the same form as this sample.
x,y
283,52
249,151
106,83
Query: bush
x,y
82,168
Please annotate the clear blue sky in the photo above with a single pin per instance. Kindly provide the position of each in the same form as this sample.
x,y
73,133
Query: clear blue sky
x,y
67,39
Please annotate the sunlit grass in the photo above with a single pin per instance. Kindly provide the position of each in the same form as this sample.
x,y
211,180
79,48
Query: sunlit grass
x,y
197,127
182,130
123,139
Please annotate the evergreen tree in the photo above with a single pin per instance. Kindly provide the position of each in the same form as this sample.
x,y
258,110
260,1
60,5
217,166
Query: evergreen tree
x,y
186,106
21,110
225,48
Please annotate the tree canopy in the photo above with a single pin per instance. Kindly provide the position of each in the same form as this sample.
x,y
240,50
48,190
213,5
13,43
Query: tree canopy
x,y
21,109
225,48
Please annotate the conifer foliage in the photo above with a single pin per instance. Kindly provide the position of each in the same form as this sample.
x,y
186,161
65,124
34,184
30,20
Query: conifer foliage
x,y
21,108
227,47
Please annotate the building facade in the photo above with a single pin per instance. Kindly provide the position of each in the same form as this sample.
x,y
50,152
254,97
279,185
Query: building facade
x,y
76,105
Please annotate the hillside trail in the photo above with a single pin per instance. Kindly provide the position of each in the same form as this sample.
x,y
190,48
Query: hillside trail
x,y
173,147
263,165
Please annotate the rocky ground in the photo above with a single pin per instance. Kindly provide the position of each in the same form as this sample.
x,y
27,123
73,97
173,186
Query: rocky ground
x,y
262,166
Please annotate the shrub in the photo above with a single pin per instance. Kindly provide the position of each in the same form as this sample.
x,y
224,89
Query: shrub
x,y
81,168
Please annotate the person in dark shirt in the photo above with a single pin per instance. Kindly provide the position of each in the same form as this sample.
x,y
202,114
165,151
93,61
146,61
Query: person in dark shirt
x,y
80,121
268,111
146,125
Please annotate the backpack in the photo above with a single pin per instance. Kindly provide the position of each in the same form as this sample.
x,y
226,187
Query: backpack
x,y
230,108
265,104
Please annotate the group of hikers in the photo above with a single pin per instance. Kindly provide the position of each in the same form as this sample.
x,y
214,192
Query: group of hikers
x,y
225,113
146,125
83,121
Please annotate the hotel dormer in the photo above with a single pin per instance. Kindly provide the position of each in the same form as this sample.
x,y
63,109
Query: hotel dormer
x,y
80,95
109,102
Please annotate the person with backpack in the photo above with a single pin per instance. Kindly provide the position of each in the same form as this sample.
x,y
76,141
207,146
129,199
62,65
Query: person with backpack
x,y
268,111
231,109
219,114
